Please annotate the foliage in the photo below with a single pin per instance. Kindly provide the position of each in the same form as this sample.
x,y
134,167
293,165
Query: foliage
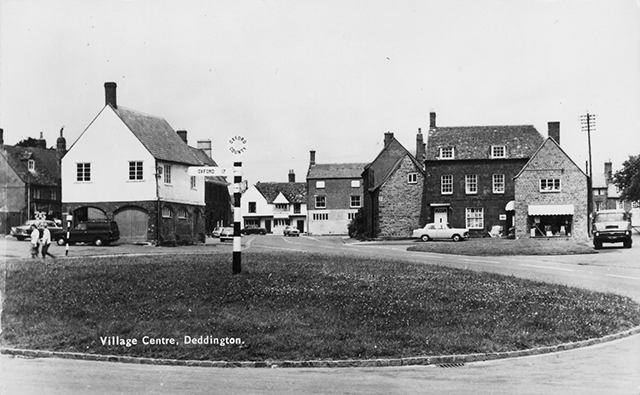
x,y
28,142
628,179
294,306
356,226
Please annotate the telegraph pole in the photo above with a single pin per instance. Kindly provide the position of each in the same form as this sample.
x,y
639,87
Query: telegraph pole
x,y
588,122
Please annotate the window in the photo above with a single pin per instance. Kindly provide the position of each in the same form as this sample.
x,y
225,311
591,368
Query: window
x,y
182,213
447,153
475,217
319,184
619,205
355,183
166,173
412,178
321,201
471,183
193,182
252,207
321,217
36,193
53,195
355,201
446,184
635,205
498,151
598,206
498,183
83,173
351,216
31,165
282,206
135,171
166,212
550,185
297,208
280,222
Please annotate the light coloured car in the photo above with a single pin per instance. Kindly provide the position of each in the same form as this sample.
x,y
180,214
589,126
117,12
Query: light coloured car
x,y
226,234
612,226
24,231
216,231
291,231
440,231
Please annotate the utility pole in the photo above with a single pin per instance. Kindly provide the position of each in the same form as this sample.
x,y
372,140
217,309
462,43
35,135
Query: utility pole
x,y
588,122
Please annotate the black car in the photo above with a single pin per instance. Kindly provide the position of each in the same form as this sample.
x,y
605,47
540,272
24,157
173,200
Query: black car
x,y
96,232
254,230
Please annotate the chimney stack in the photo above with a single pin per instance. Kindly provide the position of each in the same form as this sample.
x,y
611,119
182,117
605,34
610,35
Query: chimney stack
x,y
312,158
61,145
432,121
420,149
110,94
41,142
1,137
292,176
387,138
608,173
205,145
183,135
554,131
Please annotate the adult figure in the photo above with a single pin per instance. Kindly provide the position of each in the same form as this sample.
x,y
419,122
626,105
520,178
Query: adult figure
x,y
46,241
35,239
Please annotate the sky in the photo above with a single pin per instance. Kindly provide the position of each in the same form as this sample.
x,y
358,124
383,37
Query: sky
x,y
290,76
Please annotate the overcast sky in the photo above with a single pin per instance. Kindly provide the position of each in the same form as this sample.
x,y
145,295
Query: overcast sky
x,y
331,76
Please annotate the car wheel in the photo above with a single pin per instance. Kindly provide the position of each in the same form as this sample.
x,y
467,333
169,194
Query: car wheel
x,y
425,238
98,241
627,244
597,245
456,238
20,238
61,241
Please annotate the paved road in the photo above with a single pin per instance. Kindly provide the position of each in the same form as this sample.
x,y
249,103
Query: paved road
x,y
611,368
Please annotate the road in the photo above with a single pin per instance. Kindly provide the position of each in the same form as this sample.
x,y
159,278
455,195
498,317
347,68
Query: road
x,y
610,368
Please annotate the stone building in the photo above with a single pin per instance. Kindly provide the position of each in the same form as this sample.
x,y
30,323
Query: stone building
x,y
393,184
551,196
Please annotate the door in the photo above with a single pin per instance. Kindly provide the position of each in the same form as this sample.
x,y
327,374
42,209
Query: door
x,y
132,223
267,225
300,225
440,216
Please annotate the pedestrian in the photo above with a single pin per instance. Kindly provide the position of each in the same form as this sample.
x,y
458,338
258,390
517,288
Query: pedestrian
x,y
35,239
46,242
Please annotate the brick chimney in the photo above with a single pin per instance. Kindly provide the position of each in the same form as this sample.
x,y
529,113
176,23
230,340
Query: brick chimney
x,y
432,120
110,94
41,142
61,146
292,176
608,173
420,146
205,145
312,158
1,137
387,138
554,131
183,135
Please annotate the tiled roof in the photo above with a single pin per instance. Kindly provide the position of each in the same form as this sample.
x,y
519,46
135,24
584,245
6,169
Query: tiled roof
x,y
295,192
387,161
474,142
599,181
46,170
158,137
336,170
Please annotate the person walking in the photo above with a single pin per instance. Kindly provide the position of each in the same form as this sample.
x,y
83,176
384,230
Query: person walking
x,y
35,239
46,242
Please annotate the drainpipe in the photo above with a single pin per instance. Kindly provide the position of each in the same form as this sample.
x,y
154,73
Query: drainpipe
x,y
28,202
159,212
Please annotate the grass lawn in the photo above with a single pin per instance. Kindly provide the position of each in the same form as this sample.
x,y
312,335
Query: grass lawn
x,y
496,246
292,307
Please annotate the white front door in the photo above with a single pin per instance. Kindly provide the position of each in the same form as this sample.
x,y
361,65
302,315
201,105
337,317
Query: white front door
x,y
440,216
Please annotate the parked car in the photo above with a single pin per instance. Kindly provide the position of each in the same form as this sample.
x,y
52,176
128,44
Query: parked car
x,y
291,231
254,230
23,231
440,231
611,226
96,232
216,231
226,234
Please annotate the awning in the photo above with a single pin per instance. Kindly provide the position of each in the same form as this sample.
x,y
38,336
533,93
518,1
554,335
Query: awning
x,y
551,209
511,206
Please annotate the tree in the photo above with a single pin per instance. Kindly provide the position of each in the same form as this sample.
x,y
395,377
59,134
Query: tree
x,y
628,179
28,142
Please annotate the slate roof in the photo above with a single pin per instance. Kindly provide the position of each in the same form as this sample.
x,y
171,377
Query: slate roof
x,y
599,180
295,192
47,168
388,161
474,142
158,137
336,170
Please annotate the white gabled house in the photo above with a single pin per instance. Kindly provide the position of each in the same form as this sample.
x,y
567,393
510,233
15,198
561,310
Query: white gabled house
x,y
133,168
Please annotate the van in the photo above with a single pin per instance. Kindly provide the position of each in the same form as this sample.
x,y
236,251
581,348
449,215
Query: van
x,y
611,226
96,232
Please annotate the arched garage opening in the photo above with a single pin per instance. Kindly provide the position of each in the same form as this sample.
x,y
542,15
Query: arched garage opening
x,y
87,213
133,223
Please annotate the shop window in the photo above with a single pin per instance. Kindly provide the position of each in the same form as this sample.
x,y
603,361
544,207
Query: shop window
x,y
550,225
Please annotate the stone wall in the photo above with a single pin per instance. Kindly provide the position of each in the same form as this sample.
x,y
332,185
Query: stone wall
x,y
400,202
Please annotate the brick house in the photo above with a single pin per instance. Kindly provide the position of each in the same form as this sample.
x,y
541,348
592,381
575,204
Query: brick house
x,y
606,195
274,205
133,168
469,173
334,195
29,182
551,195
393,183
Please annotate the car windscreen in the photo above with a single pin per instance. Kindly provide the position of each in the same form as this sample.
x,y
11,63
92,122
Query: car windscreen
x,y
609,217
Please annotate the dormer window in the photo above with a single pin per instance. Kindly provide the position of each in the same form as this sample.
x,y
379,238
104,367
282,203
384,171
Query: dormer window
x,y
447,153
498,151
31,165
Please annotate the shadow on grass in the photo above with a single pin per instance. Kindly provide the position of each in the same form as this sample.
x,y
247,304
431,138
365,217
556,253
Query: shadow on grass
x,y
502,247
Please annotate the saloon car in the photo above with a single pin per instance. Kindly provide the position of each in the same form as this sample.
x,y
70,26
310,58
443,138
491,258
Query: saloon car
x,y
23,231
254,230
226,234
440,231
612,226
291,231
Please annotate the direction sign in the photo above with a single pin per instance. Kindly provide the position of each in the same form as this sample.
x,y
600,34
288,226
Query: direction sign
x,y
210,171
